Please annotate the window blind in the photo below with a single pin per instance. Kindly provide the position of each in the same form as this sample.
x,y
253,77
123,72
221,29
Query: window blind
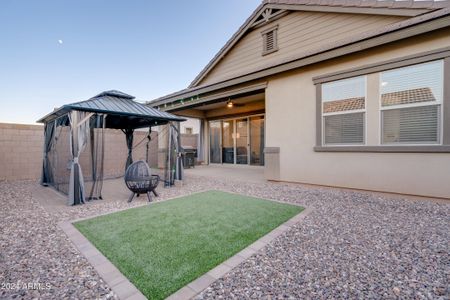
x,y
411,125
344,129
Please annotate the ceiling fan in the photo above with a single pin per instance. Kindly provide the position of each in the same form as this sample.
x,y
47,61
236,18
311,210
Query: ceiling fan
x,y
231,104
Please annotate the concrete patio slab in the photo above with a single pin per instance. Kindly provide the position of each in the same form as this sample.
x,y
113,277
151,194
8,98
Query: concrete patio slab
x,y
243,173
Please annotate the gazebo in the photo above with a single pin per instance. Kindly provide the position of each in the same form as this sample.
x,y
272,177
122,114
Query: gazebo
x,y
72,128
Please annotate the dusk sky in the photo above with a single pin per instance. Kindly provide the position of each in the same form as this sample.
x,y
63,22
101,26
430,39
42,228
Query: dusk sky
x,y
60,51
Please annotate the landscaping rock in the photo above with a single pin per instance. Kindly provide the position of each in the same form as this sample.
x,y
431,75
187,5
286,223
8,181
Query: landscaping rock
x,y
353,245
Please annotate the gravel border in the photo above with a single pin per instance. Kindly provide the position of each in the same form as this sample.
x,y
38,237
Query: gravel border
x,y
353,245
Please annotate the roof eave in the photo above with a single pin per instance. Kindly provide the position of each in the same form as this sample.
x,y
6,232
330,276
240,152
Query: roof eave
x,y
48,117
186,92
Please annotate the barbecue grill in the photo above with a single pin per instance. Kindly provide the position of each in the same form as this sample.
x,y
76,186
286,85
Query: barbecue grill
x,y
139,180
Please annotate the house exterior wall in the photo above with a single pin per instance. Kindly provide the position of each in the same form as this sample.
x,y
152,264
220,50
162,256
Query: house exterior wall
x,y
291,128
298,32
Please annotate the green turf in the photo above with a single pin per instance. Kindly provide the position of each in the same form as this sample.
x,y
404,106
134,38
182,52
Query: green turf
x,y
162,247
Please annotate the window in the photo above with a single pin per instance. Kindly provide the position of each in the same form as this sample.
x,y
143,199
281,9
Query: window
x,y
188,130
411,100
343,111
270,40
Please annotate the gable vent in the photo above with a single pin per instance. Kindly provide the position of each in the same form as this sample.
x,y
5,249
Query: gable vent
x,y
270,40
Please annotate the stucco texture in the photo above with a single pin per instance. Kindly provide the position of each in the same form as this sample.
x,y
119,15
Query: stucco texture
x,y
291,126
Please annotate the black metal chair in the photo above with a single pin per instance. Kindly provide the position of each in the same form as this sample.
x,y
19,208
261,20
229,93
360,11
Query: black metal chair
x,y
139,180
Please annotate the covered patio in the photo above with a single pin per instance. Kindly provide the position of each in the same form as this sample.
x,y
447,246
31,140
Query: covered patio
x,y
232,122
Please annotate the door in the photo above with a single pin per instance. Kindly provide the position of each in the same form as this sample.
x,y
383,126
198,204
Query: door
x,y
227,142
257,141
215,138
237,141
242,141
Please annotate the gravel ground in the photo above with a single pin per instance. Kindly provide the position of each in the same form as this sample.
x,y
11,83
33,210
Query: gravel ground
x,y
353,245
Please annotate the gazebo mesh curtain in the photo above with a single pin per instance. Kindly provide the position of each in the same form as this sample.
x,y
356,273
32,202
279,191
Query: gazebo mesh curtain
x,y
74,155
173,165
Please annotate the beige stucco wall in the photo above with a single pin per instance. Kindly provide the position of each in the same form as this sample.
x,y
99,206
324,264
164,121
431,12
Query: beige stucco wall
x,y
291,125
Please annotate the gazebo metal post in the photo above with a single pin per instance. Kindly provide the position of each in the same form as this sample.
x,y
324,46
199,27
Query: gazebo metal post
x,y
179,150
149,138
129,139
169,154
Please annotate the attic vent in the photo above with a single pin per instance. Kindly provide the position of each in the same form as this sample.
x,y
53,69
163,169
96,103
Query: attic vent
x,y
270,37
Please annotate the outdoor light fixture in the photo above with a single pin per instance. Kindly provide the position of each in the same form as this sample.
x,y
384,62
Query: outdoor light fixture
x,y
230,104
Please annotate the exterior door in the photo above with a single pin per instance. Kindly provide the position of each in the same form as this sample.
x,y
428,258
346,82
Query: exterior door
x,y
257,140
237,141
242,144
215,142
228,142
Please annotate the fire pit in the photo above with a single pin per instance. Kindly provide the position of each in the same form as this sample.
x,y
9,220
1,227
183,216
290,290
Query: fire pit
x,y
139,180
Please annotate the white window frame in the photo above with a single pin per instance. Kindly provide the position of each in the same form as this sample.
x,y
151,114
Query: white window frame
x,y
440,103
323,115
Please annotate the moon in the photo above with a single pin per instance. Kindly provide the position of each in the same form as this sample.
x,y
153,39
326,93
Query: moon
x,y
60,42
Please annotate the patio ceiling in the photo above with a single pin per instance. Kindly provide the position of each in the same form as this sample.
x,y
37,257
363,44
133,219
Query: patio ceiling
x,y
239,101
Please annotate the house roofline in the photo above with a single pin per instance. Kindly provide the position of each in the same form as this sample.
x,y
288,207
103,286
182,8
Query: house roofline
x,y
389,7
390,33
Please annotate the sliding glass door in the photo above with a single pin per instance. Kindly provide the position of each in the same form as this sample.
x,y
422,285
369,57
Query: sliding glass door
x,y
257,141
227,142
237,141
215,142
242,142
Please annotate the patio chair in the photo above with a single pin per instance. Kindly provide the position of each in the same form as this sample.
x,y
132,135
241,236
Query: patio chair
x,y
139,180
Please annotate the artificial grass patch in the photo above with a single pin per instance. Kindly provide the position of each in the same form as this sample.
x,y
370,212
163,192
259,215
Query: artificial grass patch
x,y
162,247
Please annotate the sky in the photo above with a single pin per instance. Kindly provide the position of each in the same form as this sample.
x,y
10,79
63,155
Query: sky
x,y
54,52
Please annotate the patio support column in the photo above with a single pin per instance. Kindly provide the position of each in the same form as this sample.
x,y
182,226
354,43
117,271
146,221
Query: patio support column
x,y
205,143
201,147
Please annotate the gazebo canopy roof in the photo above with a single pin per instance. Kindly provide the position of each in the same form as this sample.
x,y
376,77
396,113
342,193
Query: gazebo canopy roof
x,y
123,112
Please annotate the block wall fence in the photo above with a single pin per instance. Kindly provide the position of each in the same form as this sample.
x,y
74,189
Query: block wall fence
x,y
21,149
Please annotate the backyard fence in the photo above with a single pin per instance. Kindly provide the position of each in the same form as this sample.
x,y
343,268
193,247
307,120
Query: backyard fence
x,y
21,149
